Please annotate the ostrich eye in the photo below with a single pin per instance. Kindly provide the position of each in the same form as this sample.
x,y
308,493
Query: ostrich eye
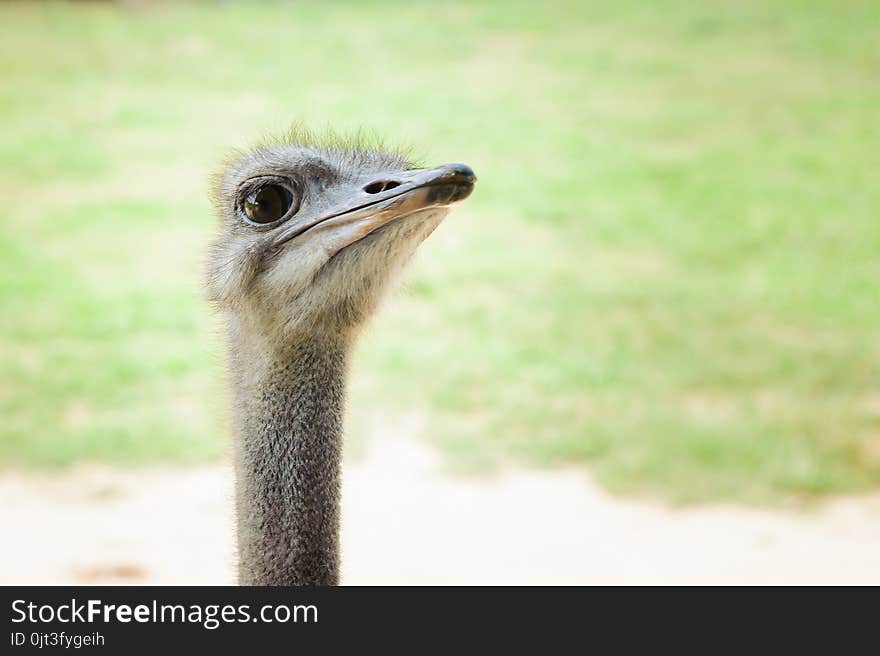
x,y
267,203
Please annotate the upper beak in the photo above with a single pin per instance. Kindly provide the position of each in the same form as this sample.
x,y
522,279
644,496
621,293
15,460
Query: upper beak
x,y
457,179
387,197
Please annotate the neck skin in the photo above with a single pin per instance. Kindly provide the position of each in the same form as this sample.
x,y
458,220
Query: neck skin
x,y
288,420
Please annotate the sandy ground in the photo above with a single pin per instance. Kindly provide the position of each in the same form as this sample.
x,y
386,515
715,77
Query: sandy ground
x,y
405,522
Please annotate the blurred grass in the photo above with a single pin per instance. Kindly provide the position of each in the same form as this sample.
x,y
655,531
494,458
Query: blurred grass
x,y
669,269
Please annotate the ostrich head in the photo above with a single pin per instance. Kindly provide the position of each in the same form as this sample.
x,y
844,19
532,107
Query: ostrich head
x,y
313,230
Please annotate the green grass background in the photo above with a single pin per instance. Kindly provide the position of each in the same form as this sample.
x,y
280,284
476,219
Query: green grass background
x,y
669,269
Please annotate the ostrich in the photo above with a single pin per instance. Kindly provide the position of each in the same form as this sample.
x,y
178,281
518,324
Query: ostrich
x,y
311,232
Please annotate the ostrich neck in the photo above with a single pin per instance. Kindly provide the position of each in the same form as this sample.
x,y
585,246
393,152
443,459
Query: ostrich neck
x,y
288,413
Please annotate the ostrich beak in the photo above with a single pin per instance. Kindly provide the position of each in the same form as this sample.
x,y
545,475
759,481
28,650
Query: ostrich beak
x,y
373,203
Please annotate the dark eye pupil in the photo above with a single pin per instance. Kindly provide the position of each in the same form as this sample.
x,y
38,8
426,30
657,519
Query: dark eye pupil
x,y
268,203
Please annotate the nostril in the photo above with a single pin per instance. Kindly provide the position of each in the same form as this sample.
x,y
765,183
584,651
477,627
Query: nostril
x,y
381,185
